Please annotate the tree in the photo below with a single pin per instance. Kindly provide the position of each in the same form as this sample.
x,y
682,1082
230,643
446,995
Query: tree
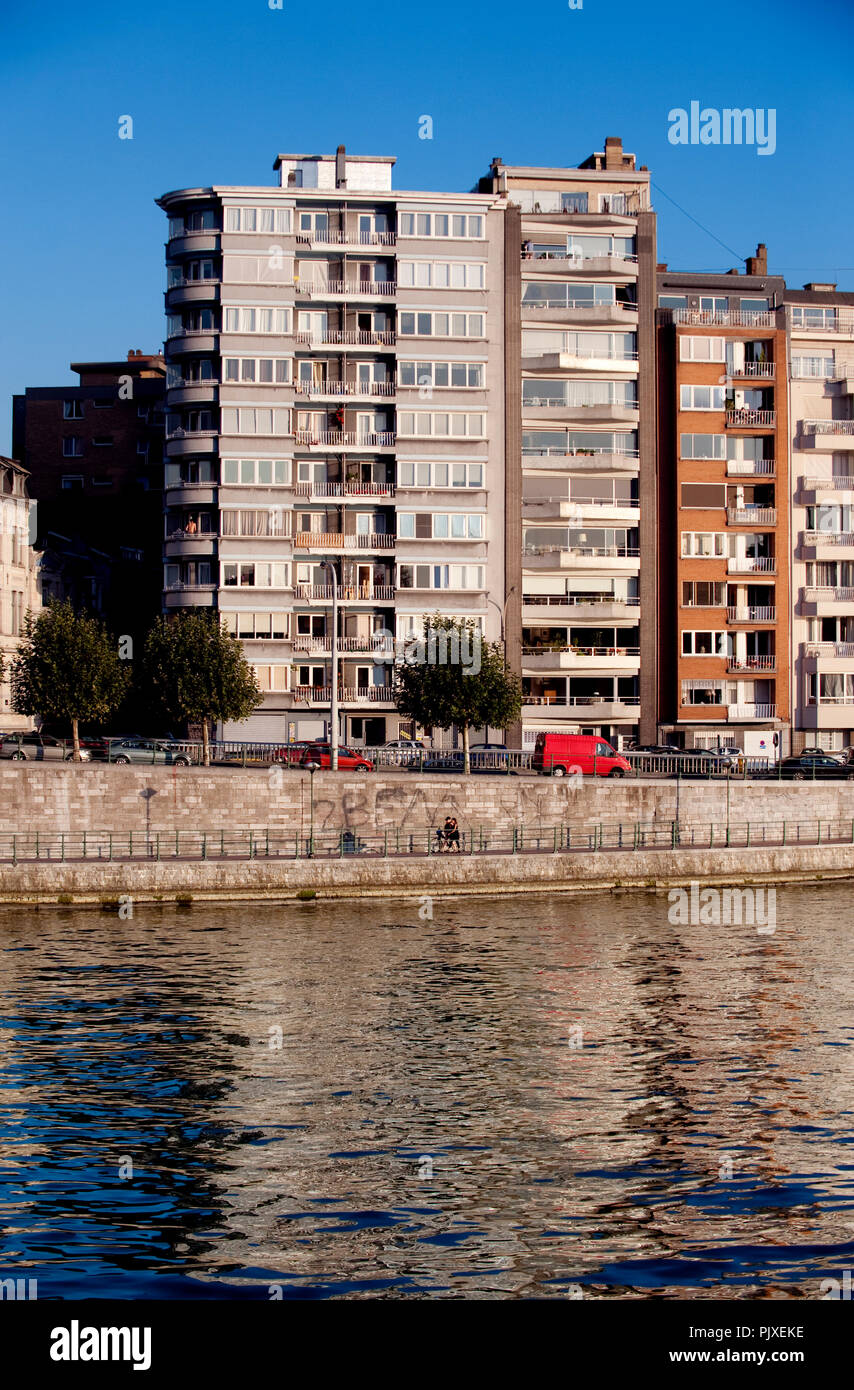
x,y
451,676
195,670
67,668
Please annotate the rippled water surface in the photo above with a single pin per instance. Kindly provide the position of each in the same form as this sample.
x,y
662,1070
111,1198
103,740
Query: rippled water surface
x,y
521,1097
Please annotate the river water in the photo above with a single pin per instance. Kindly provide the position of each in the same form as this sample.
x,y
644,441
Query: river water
x,y
538,1096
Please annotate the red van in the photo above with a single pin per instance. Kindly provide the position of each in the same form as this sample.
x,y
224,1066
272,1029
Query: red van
x,y
558,754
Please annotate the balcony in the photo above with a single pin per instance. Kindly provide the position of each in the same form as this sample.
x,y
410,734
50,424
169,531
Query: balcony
x,y
196,494
189,595
348,337
345,289
750,665
192,292
338,439
761,614
752,564
590,708
316,389
623,412
565,311
318,646
838,484
751,516
577,658
729,318
827,436
843,649
599,510
344,489
342,540
577,608
193,393
739,714
189,543
348,237
347,694
748,417
580,460
817,539
545,557
347,593
193,340
810,320
751,370
751,468
824,596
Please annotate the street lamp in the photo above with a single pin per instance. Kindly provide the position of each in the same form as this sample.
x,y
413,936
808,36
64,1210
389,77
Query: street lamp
x,y
502,613
311,768
333,711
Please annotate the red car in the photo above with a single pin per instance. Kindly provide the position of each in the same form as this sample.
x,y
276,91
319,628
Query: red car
x,y
349,759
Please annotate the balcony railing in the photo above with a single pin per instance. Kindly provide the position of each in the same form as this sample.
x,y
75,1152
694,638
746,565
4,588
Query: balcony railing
x,y
830,649
349,593
342,540
749,416
729,318
581,651
348,337
837,484
344,489
327,439
804,319
550,403
751,468
316,646
577,600
760,614
581,701
344,388
752,564
345,238
347,694
827,427
828,537
595,551
751,711
752,369
582,455
331,289
750,664
819,593
535,305
751,516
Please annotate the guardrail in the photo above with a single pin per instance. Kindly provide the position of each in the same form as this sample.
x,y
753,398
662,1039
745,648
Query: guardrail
x,y
563,838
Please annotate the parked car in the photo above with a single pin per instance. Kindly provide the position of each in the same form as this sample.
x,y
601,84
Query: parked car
x,y
822,753
557,754
405,743
402,752
142,750
349,759
810,767
703,762
39,748
660,749
488,747
290,753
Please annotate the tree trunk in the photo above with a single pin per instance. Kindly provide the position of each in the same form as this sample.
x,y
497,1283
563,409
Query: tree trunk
x,y
75,740
466,754
206,747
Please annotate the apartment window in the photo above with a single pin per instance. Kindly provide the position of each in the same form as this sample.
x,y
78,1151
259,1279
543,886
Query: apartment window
x,y
100,480
271,678
703,594
455,526
71,480
821,367
102,441
257,627
703,446
256,420
257,319
704,545
672,301
256,472
698,692
431,576
701,349
441,423
755,305
251,521
273,268
441,325
540,294
440,224
573,202
72,446
619,347
704,644
72,410
441,374
200,221
199,270
255,574
821,319
142,447
443,275
702,398
266,370
273,220
615,203
544,392
711,304
439,475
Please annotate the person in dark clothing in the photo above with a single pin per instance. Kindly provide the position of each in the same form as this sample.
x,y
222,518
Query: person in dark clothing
x,y
451,833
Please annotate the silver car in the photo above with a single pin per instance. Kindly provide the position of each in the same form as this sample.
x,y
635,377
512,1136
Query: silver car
x,y
38,748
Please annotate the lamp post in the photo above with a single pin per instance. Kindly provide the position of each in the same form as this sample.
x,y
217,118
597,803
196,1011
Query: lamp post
x,y
311,768
502,613
333,711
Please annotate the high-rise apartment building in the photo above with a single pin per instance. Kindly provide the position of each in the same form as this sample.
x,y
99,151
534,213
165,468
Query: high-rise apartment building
x,y
19,583
724,542
821,429
580,406
335,376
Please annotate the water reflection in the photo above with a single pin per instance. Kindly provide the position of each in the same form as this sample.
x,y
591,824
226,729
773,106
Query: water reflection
x,y
519,1097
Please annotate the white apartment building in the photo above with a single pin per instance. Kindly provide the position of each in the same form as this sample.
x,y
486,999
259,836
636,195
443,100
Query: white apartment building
x,y
820,324
335,397
19,589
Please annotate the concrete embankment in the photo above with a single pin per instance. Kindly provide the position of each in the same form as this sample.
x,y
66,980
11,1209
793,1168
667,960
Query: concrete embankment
x,y
152,800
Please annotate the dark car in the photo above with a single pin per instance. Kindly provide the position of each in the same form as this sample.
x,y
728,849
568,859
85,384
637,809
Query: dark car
x,y
702,762
349,759
811,767
660,748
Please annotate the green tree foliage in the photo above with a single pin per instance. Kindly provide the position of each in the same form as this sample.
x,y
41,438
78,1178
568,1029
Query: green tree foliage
x,y
453,677
67,669
195,670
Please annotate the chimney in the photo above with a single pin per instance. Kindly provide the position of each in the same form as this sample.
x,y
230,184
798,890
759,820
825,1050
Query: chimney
x,y
341,167
613,152
758,264
662,265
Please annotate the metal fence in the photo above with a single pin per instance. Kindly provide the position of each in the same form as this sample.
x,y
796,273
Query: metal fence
x,y
276,844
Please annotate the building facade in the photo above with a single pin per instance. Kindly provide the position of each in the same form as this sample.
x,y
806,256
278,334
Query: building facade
x,y
580,384
19,585
335,366
724,538
820,324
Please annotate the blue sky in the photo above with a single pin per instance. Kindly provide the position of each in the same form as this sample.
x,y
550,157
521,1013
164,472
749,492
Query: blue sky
x,y
217,89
